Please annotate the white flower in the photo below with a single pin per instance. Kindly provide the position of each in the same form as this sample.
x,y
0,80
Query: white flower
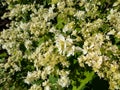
x,y
61,5
17,68
60,43
51,8
43,75
47,88
97,63
112,15
28,44
24,26
116,3
53,30
64,45
112,32
80,14
46,85
87,7
118,34
35,87
85,51
81,60
50,14
71,51
48,69
31,76
63,73
64,81
68,27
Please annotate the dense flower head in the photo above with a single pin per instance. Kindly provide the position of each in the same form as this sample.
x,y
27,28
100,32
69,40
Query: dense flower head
x,y
47,36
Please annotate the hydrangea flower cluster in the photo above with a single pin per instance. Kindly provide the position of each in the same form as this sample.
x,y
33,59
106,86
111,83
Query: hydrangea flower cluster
x,y
44,36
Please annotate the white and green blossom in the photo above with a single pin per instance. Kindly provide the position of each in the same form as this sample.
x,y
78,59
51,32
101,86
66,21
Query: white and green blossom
x,y
46,39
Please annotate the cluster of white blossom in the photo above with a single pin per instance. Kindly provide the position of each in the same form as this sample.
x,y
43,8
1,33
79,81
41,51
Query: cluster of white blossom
x,y
47,37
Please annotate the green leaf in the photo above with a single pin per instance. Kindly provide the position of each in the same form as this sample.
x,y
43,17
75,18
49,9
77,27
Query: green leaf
x,y
59,25
3,55
53,79
61,21
54,1
89,77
